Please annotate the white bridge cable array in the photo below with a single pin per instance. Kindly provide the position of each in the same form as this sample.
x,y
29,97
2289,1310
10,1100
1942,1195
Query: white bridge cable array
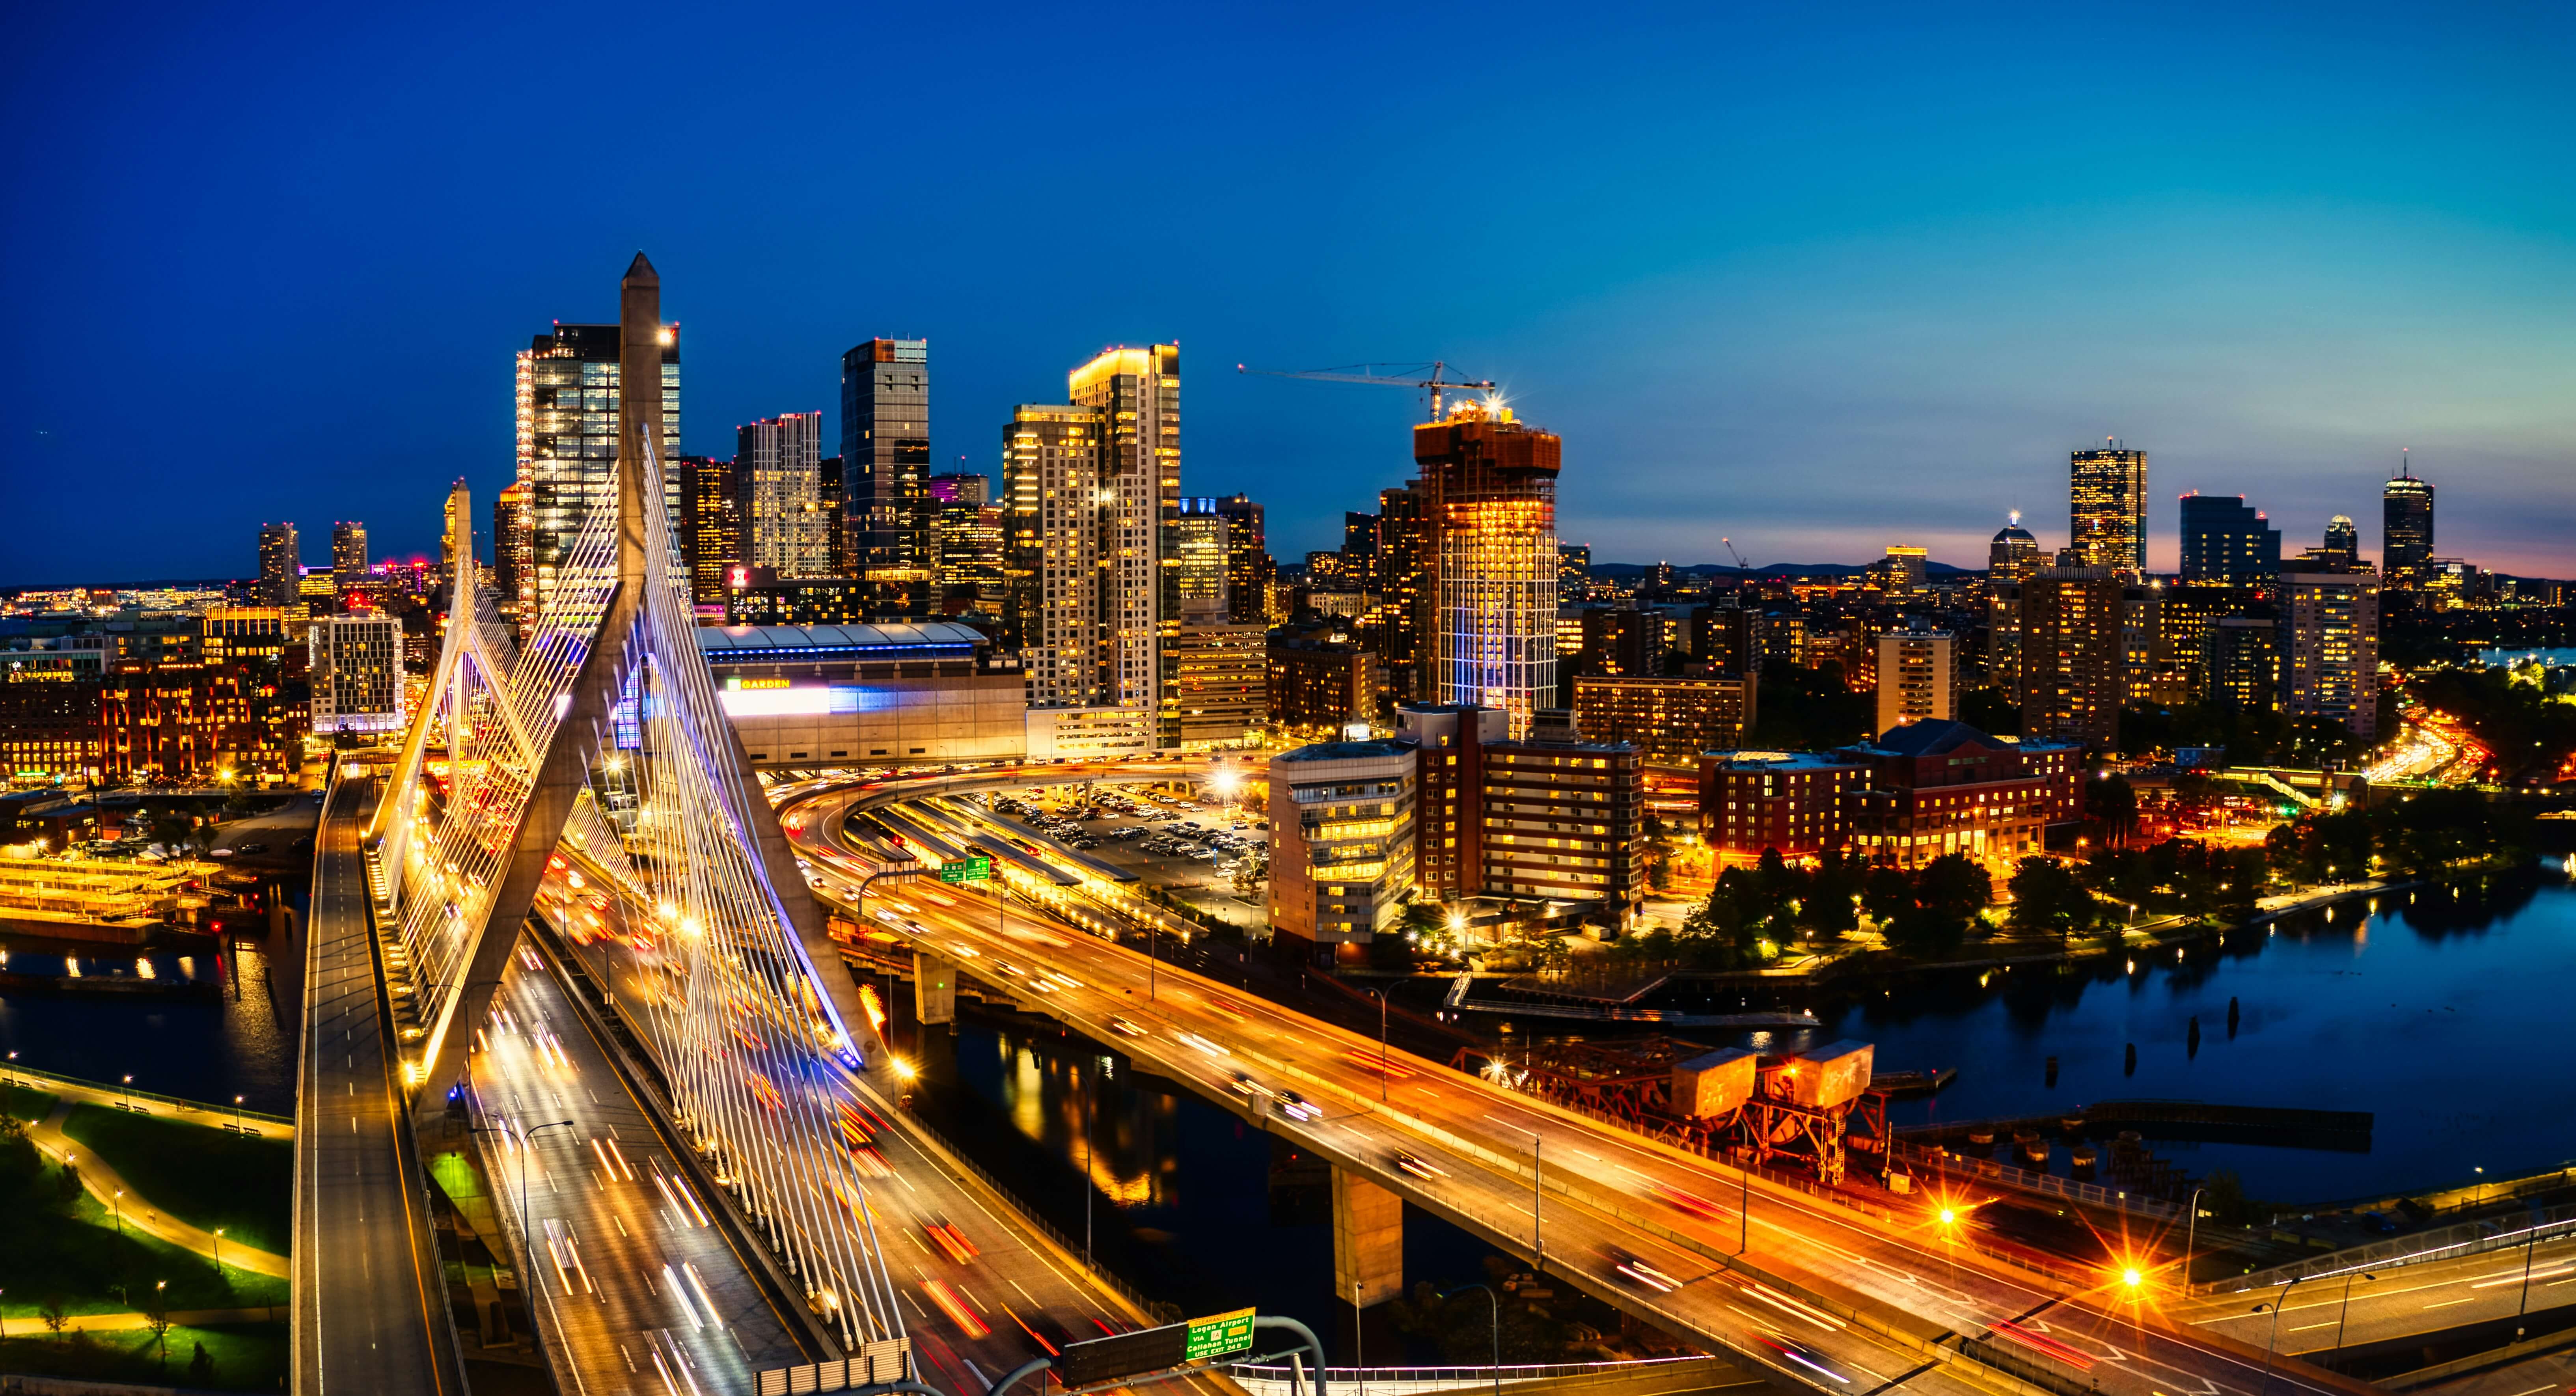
x,y
735,1017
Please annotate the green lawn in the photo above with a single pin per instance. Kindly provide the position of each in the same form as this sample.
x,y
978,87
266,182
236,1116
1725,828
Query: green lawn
x,y
246,1356
205,1176
25,1103
80,1257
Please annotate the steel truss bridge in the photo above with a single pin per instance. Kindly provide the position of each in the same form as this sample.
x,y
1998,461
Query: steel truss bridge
x,y
601,737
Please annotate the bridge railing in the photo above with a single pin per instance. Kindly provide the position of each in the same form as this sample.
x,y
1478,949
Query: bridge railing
x,y
1272,1380
2448,1243
2073,1190
26,1075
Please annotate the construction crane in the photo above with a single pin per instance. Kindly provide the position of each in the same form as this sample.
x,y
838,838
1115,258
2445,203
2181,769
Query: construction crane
x,y
1740,564
1405,376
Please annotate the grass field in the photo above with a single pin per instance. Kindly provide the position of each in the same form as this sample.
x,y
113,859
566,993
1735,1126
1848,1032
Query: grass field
x,y
205,1176
25,1103
246,1357
80,1257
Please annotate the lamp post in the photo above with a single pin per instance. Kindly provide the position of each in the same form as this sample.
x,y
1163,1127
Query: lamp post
x,y
219,1253
116,1204
1380,996
237,1119
125,1097
2190,1238
1496,1302
526,1144
2264,1387
2346,1310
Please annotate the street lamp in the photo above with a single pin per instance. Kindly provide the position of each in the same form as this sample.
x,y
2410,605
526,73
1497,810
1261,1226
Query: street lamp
x,y
237,1119
2265,1386
2190,1238
1380,996
125,1097
2346,1310
526,1145
116,1204
219,1253
1496,1302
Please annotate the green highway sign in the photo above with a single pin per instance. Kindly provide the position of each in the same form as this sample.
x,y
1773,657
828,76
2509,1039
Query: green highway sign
x,y
1218,1334
966,870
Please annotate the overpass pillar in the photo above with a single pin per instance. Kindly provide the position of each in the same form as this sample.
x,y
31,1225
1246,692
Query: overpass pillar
x,y
934,988
1368,1241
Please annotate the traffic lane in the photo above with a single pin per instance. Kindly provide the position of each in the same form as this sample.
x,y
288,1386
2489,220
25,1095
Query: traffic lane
x,y
369,1327
1002,1303
2407,1301
2101,1334
637,1283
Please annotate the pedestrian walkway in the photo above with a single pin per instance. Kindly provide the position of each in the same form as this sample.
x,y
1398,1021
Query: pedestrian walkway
x,y
128,1319
104,1181
143,1103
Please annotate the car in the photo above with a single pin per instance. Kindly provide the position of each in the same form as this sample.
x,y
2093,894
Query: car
x,y
1638,1272
1295,1106
1692,1203
1407,1163
1798,1355
2377,1221
1243,1085
1125,1028
253,847
220,852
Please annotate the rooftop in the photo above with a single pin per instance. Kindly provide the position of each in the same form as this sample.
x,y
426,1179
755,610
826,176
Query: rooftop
x,y
1346,751
748,642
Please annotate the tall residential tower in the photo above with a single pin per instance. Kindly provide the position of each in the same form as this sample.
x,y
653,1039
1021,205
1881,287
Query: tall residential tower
x,y
1489,506
568,385
885,458
2107,507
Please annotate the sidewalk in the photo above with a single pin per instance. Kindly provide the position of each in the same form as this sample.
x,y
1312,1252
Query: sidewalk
x,y
104,1182
186,1112
108,1323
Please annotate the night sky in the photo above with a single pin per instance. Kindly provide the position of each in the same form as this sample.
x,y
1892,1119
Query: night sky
x,y
1816,278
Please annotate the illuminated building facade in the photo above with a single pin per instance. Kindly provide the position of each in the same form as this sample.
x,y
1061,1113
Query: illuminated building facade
x,y
777,480
1341,842
710,526
891,692
512,540
1939,787
1489,503
885,457
1317,684
169,720
456,538
1918,677
2014,553
348,555
1403,624
2240,663
49,729
281,564
2224,539
2406,529
1051,479
568,383
1548,817
356,672
2107,507
1137,394
1249,572
1667,719
1751,802
2330,663
2072,650
1215,687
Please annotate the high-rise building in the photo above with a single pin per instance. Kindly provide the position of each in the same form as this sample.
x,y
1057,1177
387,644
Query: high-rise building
x,y
1342,850
2240,663
2406,529
456,538
1547,815
2014,554
1318,683
1905,569
512,557
1667,719
1214,691
2074,624
1918,677
1405,619
1249,571
281,565
1136,394
2224,539
2107,507
777,478
1573,571
968,541
1199,557
348,555
1360,550
710,525
885,457
2330,666
835,519
961,489
2342,548
568,387
1051,458
1489,505
356,671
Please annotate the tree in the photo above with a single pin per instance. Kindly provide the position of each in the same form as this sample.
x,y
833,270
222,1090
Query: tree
x,y
1886,893
55,1316
201,1367
2113,805
2047,900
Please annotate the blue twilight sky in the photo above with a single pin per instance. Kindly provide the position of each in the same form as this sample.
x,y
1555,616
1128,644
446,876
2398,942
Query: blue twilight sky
x,y
1817,278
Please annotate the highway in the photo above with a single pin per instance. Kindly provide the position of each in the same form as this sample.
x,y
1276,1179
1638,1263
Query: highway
x,y
2402,1301
1002,1296
1645,1227
370,1303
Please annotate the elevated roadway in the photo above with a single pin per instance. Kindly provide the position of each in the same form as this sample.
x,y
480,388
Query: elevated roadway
x,y
369,1292
1812,1294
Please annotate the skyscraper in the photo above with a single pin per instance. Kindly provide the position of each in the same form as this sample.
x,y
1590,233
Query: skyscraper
x,y
710,526
2072,653
1051,479
1489,504
885,457
1249,570
1917,678
512,542
1360,550
961,488
456,540
2226,540
2343,544
2330,668
280,563
778,465
348,554
1137,396
2107,507
568,386
2014,554
2406,529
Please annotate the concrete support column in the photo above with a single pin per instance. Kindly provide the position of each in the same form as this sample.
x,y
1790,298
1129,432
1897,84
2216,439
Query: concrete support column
x,y
934,988
1368,1241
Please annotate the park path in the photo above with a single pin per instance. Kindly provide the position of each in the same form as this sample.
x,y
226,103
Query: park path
x,y
184,1111
105,1182
129,1319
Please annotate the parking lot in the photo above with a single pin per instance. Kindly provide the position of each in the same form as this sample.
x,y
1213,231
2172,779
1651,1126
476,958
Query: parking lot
x,y
1167,840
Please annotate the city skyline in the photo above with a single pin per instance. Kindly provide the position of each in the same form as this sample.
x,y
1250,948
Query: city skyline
x,y
1732,302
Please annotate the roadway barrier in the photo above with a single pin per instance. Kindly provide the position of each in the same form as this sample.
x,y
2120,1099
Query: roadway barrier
x,y
1418,1381
2090,1194
2449,1243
